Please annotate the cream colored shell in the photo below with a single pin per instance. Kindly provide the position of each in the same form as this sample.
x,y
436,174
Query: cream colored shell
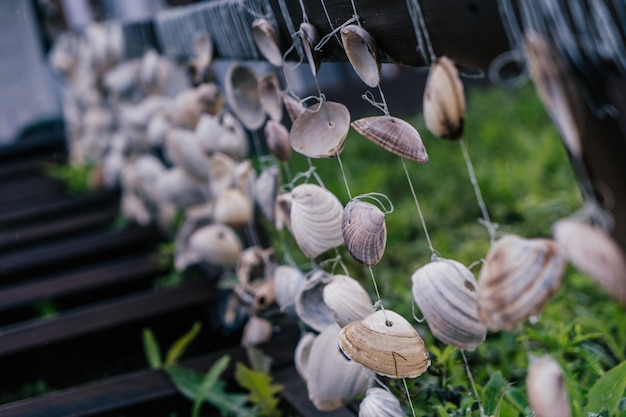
x,y
379,402
347,300
545,388
321,133
394,135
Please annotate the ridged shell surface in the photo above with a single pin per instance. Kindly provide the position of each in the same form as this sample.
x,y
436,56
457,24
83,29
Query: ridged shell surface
x,y
243,96
545,388
321,133
362,53
394,135
445,292
347,299
216,244
517,279
379,402
364,232
310,305
277,139
444,100
386,343
266,39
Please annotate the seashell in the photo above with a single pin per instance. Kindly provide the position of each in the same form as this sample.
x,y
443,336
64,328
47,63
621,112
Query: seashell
x,y
310,305
184,150
445,292
245,177
233,208
133,207
310,38
517,279
545,388
199,65
270,96
294,107
157,129
190,104
209,98
394,135
266,39
332,380
379,402
321,133
277,138
256,331
302,352
243,96
282,212
347,299
215,244
386,343
593,252
287,284
265,295
227,136
121,79
315,219
364,231
444,100
153,71
175,186
254,267
361,50
221,173
265,191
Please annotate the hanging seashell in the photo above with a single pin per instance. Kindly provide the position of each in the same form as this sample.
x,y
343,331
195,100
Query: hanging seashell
x,y
190,104
157,129
256,331
315,219
387,344
310,38
221,173
233,208
545,388
176,187
347,299
265,191
184,150
364,231
243,96
270,96
394,135
288,282
266,39
321,133
310,305
294,107
227,136
332,380
265,295
362,53
245,177
379,402
277,138
302,352
200,64
517,279
255,266
593,252
444,101
445,292
283,212
216,244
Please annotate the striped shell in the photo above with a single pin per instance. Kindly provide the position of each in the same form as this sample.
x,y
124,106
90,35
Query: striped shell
x,y
444,100
394,135
243,96
347,299
310,305
364,232
445,292
379,402
361,50
545,388
266,39
321,133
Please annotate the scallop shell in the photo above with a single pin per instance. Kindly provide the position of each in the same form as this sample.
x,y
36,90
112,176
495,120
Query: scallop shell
x,y
361,50
445,292
216,244
545,388
277,138
315,219
364,231
265,191
379,402
288,282
321,133
310,305
394,135
302,352
332,380
347,299
387,344
266,39
517,279
221,172
256,331
593,252
233,208
310,38
444,101
294,107
243,96
270,96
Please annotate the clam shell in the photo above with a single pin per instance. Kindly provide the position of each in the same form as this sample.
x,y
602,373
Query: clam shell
x,y
347,299
277,138
226,136
266,39
233,208
288,282
254,267
176,187
394,135
294,107
245,177
282,212
310,38
315,219
517,279
387,344
199,65
216,244
265,191
221,172
256,331
379,402
302,352
364,231
190,104
593,252
332,380
310,305
321,133
445,292
545,388
270,96
444,100
361,50
243,96
209,98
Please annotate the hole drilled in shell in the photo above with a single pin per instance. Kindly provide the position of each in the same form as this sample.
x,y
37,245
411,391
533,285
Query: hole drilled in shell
x,y
321,133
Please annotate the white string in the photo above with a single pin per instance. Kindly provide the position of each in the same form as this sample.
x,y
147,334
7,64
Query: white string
x,y
343,175
330,23
324,40
374,197
424,45
471,379
379,300
408,396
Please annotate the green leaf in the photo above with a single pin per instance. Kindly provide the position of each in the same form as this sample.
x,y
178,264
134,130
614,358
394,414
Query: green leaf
x,y
151,349
209,381
262,392
607,392
493,392
230,404
187,381
179,346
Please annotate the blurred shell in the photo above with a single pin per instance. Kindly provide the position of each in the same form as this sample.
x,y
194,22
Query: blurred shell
x,y
545,388
288,282
157,129
593,252
321,133
277,138
122,78
216,244
243,96
310,305
283,212
387,344
227,136
133,207
347,300
517,279
315,219
332,380
254,267
379,402
310,38
266,39
233,208
266,189
270,96
302,352
210,98
445,292
444,100
361,50
294,107
190,104
199,65
245,177
394,135
176,187
265,295
364,231
154,72
184,150
256,331
221,173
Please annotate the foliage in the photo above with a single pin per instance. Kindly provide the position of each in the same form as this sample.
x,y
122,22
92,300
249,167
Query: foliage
x,y
77,178
262,391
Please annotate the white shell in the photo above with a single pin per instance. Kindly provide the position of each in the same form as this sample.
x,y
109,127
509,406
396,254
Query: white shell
x,y
288,282
233,208
310,38
379,402
221,173
310,305
266,189
321,132
294,107
216,244
277,139
302,352
347,299
266,39
256,331
184,150
545,388
227,136
361,50
245,177
243,96
176,187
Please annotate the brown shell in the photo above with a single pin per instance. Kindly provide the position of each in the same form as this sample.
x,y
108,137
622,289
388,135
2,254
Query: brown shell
x,y
270,96
310,38
545,388
277,139
394,135
362,53
364,232
444,101
294,107
266,39
321,133
243,96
